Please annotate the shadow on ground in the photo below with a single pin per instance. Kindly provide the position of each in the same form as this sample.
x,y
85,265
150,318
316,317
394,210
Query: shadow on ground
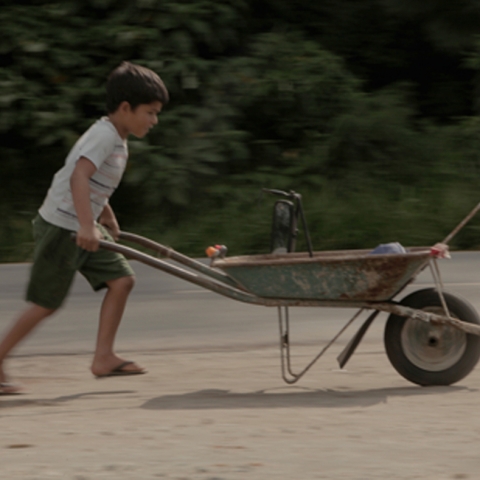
x,y
22,400
224,399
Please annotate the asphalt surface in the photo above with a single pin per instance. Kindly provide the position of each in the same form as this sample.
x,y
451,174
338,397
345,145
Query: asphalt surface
x,y
166,313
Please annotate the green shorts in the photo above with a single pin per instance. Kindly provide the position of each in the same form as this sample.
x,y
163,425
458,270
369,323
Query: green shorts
x,y
57,258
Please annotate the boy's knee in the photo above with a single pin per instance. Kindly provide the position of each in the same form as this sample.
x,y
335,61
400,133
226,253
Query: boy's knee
x,y
124,283
130,282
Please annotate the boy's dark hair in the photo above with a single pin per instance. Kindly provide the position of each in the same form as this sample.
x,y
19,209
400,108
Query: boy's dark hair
x,y
136,85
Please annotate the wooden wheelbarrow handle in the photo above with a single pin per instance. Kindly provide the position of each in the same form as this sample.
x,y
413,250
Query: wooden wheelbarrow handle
x,y
449,237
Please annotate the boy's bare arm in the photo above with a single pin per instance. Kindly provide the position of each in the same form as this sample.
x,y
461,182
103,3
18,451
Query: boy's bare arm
x,y
88,235
109,220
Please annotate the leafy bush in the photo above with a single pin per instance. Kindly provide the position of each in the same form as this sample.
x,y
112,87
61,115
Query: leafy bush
x,y
257,101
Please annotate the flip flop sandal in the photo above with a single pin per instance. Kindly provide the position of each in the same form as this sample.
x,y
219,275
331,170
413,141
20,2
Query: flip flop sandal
x,y
7,388
121,372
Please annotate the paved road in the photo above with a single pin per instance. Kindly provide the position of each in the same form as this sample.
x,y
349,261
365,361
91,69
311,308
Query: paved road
x,y
166,313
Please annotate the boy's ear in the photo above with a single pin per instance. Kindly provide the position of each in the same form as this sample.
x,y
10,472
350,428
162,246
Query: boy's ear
x,y
125,107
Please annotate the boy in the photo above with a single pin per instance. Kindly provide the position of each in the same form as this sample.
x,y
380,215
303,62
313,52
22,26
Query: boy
x,y
77,201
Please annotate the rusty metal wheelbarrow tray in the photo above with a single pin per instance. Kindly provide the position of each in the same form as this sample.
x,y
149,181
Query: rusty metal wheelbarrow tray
x,y
363,280
341,276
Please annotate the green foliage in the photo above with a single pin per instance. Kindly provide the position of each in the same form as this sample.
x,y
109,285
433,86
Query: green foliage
x,y
379,135
450,26
331,99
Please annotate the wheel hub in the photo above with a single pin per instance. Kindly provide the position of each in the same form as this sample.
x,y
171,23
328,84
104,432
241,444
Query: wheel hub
x,y
432,347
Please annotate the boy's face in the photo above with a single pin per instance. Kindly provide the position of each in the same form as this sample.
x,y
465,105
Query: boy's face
x,y
140,120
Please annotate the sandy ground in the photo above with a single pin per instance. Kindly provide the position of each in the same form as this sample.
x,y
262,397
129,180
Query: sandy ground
x,y
221,415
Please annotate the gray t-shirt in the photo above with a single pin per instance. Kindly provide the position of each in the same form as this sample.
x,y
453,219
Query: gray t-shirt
x,y
104,147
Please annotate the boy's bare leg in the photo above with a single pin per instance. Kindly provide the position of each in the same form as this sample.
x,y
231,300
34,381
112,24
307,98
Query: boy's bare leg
x,y
105,360
24,324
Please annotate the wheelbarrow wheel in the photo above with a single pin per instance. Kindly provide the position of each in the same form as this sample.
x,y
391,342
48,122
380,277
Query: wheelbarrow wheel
x,y
428,354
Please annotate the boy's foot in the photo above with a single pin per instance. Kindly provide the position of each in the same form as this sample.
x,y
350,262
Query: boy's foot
x,y
7,388
123,369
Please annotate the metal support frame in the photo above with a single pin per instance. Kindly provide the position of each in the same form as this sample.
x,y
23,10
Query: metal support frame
x,y
437,279
288,375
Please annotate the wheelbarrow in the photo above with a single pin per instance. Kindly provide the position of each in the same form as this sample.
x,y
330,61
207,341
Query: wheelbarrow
x,y
431,337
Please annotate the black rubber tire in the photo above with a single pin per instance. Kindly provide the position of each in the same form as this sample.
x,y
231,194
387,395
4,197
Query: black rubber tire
x,y
428,354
